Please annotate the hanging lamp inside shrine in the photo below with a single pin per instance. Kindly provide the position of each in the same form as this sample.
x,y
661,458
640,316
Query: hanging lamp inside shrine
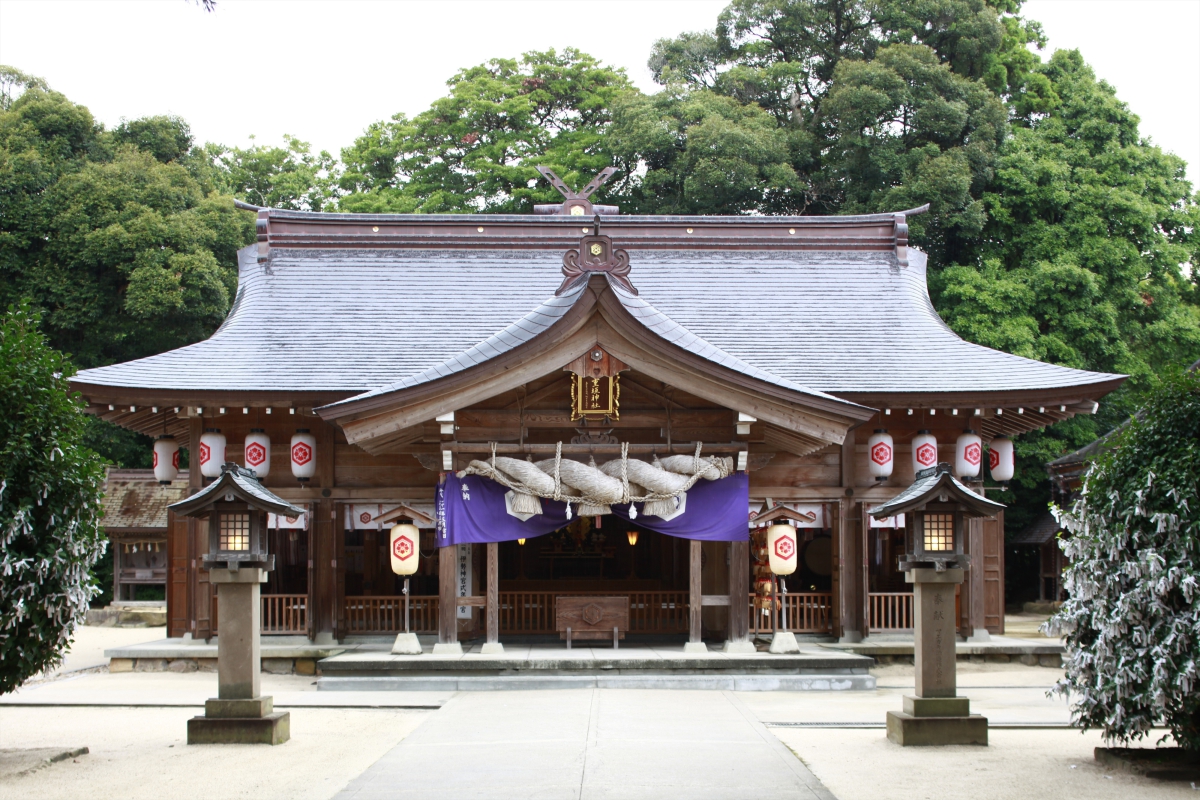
x,y
632,537
212,452
405,547
879,454
968,455
166,459
781,548
924,451
304,455
1002,459
258,452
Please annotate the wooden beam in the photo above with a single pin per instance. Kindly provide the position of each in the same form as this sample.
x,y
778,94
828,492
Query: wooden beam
x,y
447,592
739,591
694,594
493,592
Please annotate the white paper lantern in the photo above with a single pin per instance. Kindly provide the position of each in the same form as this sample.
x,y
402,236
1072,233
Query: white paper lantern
x,y
968,455
304,455
405,547
879,454
1002,459
924,451
781,548
257,454
166,459
212,452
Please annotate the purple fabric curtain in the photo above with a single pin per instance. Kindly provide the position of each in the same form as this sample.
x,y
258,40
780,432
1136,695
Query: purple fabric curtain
x,y
472,510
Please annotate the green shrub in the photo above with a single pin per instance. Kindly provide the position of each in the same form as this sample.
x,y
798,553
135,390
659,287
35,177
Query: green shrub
x,y
50,490
1132,621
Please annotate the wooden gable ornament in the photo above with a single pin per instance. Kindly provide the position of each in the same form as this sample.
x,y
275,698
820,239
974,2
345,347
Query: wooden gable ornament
x,y
595,254
595,384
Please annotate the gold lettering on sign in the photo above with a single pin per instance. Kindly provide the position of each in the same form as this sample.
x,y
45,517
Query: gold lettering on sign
x,y
595,397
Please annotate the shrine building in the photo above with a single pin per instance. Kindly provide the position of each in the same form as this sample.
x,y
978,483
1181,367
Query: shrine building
x,y
548,396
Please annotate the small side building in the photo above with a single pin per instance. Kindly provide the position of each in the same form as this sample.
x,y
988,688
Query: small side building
x,y
135,519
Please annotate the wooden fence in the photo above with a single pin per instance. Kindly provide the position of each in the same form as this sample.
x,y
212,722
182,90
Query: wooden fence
x,y
284,613
890,611
807,612
385,614
649,612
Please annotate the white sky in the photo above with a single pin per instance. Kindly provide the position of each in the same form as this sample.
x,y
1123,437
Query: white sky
x,y
324,70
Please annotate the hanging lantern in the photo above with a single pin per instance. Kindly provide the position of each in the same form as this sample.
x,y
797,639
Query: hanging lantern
x,y
212,452
781,548
924,451
1002,459
304,455
879,454
166,459
258,452
968,453
520,541
405,547
632,537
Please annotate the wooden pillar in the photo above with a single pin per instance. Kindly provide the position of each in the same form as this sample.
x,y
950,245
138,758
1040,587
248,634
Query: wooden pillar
x,y
370,561
694,594
739,591
324,564
447,595
493,593
973,588
850,588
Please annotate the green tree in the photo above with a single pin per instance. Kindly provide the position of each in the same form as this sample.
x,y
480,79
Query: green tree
x,y
1133,546
477,149
110,234
277,177
50,487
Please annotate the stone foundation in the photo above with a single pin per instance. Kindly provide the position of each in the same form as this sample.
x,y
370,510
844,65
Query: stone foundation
x,y
272,666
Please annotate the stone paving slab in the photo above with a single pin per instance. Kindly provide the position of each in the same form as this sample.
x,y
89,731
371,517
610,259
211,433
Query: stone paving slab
x,y
588,744
638,680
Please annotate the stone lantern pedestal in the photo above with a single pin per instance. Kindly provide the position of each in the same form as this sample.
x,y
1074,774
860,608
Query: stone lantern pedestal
x,y
239,714
935,714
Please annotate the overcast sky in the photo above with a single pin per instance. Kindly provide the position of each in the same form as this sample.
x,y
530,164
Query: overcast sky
x,y
323,71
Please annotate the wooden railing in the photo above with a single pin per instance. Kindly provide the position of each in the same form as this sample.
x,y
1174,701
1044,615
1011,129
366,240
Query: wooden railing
x,y
890,611
807,612
284,613
385,614
279,613
649,612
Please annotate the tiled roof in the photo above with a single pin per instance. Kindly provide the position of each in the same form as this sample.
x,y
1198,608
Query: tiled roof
x,y
553,310
237,479
928,481
1040,531
134,499
354,320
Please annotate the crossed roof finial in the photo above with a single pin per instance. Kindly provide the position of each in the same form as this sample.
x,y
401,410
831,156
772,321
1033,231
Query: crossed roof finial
x,y
577,203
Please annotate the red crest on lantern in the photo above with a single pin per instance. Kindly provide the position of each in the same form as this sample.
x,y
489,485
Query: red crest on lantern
x,y
881,453
256,454
402,548
785,546
301,453
993,459
205,453
972,453
927,455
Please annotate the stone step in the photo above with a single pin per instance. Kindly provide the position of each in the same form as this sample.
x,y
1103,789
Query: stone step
x,y
535,681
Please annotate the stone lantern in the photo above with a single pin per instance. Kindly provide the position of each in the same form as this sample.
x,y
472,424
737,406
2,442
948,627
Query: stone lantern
x,y
236,507
936,508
